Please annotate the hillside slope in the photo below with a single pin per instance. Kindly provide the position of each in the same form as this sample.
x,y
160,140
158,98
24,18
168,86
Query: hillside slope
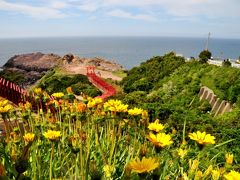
x,y
173,98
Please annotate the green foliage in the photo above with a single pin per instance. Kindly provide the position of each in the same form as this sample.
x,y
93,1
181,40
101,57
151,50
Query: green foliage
x,y
106,144
135,97
204,56
143,78
173,97
57,82
226,63
13,76
120,73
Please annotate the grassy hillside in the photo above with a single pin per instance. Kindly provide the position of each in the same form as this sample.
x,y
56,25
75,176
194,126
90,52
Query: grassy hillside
x,y
144,77
173,94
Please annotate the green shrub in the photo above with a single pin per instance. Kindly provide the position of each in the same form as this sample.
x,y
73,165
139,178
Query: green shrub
x,y
56,82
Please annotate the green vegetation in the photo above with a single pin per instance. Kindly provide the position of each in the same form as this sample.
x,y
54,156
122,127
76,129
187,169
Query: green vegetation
x,y
54,81
92,139
144,77
157,130
226,63
121,74
173,96
13,76
204,56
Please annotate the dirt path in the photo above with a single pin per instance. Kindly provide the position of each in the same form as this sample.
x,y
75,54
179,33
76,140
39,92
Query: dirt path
x,y
81,69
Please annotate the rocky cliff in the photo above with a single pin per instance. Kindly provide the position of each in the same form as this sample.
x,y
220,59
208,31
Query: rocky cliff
x,y
26,69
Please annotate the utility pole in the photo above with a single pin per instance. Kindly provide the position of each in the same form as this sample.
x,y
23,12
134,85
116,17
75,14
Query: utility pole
x,y
207,41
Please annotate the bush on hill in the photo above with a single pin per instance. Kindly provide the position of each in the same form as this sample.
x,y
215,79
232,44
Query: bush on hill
x,y
13,76
144,77
204,56
57,82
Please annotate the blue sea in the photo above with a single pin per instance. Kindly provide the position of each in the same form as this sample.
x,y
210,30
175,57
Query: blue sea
x,y
127,51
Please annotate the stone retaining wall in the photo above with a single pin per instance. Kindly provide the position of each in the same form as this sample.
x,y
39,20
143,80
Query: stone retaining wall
x,y
218,106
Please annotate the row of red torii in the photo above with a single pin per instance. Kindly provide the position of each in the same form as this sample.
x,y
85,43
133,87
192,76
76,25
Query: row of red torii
x,y
16,94
107,89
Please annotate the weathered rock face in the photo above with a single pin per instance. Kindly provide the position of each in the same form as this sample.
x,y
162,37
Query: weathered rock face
x,y
98,62
29,67
104,64
33,62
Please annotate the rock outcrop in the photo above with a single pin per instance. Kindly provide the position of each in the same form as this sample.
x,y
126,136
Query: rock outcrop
x,y
38,62
31,67
98,62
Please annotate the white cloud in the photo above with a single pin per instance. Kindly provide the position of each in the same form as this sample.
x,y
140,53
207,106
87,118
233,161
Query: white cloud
x,y
85,5
90,7
36,12
58,4
148,9
214,8
124,14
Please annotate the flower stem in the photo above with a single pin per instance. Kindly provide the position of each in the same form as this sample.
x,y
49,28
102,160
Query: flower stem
x,y
51,159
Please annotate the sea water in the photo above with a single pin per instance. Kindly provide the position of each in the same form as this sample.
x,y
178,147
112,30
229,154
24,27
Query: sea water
x,y
127,51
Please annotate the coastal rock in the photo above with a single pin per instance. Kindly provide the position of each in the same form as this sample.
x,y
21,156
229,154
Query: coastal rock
x,y
33,66
102,64
33,62
26,69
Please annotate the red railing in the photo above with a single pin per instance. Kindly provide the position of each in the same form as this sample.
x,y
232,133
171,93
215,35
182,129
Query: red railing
x,y
107,89
13,92
16,94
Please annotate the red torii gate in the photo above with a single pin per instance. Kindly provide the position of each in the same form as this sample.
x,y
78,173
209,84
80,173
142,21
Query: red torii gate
x,y
108,90
91,69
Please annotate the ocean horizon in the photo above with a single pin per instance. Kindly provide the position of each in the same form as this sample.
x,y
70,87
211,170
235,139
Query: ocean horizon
x,y
126,50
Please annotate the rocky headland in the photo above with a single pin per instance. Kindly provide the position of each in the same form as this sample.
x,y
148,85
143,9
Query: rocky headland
x,y
26,69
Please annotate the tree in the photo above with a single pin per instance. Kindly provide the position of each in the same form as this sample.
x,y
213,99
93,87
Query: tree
x,y
226,63
204,56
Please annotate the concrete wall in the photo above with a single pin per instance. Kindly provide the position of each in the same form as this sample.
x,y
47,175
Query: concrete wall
x,y
218,106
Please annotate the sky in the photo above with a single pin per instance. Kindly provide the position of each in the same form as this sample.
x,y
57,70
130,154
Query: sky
x,y
177,18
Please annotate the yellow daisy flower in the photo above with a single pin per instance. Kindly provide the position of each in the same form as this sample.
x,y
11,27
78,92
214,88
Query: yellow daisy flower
x,y
29,137
202,138
229,158
108,170
135,111
3,103
58,95
6,108
115,106
233,175
52,135
143,166
94,102
208,171
160,140
156,126
38,91
182,152
215,174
